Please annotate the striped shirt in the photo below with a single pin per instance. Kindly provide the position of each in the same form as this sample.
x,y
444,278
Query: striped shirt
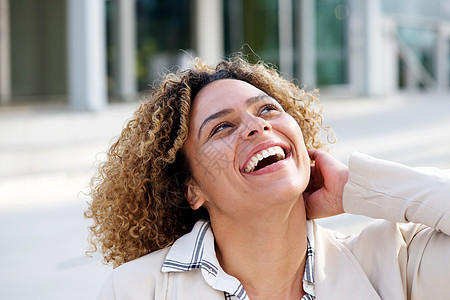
x,y
195,250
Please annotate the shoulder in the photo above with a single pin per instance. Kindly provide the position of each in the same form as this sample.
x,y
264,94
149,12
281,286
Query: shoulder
x,y
138,279
414,256
379,235
147,265
381,245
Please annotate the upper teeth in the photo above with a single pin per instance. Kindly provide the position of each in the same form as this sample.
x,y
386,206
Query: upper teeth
x,y
253,161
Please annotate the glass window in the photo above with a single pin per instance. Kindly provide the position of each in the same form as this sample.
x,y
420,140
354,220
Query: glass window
x,y
163,28
253,23
331,40
432,8
448,64
417,54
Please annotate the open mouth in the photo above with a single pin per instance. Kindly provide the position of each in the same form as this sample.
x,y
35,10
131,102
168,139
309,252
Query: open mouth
x,y
265,158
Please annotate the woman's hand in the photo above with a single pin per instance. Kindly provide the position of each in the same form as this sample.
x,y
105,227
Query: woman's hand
x,y
323,196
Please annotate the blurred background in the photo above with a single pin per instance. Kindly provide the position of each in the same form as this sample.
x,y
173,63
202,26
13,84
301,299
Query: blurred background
x,y
71,73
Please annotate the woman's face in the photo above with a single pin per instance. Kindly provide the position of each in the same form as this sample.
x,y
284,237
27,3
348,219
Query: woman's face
x,y
245,153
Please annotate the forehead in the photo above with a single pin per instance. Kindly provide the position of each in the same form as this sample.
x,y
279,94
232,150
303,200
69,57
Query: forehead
x,y
222,94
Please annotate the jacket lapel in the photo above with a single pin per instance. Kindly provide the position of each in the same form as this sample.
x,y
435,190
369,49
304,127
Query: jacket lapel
x,y
338,274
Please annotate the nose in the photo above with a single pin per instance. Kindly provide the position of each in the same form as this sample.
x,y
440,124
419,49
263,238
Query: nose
x,y
255,126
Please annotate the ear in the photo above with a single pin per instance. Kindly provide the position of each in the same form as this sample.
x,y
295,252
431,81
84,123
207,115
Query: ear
x,y
194,194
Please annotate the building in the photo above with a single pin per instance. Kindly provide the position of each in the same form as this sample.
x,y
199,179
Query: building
x,y
87,53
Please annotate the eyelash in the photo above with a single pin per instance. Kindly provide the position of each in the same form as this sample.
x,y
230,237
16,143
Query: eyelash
x,y
216,129
262,109
273,107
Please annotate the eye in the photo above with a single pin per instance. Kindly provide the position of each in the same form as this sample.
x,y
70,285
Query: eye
x,y
268,108
220,127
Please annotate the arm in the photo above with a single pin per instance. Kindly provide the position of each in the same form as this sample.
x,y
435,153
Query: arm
x,y
391,191
378,189
401,194
416,256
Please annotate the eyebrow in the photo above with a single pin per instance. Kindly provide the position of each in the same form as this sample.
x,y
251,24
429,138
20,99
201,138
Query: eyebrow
x,y
250,101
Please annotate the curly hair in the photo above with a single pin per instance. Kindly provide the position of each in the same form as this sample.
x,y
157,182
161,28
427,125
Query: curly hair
x,y
138,204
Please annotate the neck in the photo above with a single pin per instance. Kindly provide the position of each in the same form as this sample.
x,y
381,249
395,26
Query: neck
x,y
265,252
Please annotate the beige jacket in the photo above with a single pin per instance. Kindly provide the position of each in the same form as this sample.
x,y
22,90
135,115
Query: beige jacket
x,y
388,260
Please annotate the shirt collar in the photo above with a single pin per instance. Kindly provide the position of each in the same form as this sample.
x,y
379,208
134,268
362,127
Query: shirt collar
x,y
195,250
308,277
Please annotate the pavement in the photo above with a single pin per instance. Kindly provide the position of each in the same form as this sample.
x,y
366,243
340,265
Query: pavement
x,y
48,154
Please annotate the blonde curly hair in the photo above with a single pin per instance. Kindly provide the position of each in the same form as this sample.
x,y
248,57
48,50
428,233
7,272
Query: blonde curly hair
x,y
138,204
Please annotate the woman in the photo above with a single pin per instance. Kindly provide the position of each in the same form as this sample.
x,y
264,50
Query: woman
x,y
232,143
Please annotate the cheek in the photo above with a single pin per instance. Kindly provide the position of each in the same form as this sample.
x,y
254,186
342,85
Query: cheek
x,y
294,133
291,129
212,162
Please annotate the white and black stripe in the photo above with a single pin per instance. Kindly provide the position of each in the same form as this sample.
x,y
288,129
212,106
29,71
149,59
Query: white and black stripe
x,y
309,269
196,261
188,254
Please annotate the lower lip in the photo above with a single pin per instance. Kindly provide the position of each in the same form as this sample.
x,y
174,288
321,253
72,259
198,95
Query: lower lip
x,y
271,168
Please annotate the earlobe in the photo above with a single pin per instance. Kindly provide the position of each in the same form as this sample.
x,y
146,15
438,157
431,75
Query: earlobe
x,y
194,195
